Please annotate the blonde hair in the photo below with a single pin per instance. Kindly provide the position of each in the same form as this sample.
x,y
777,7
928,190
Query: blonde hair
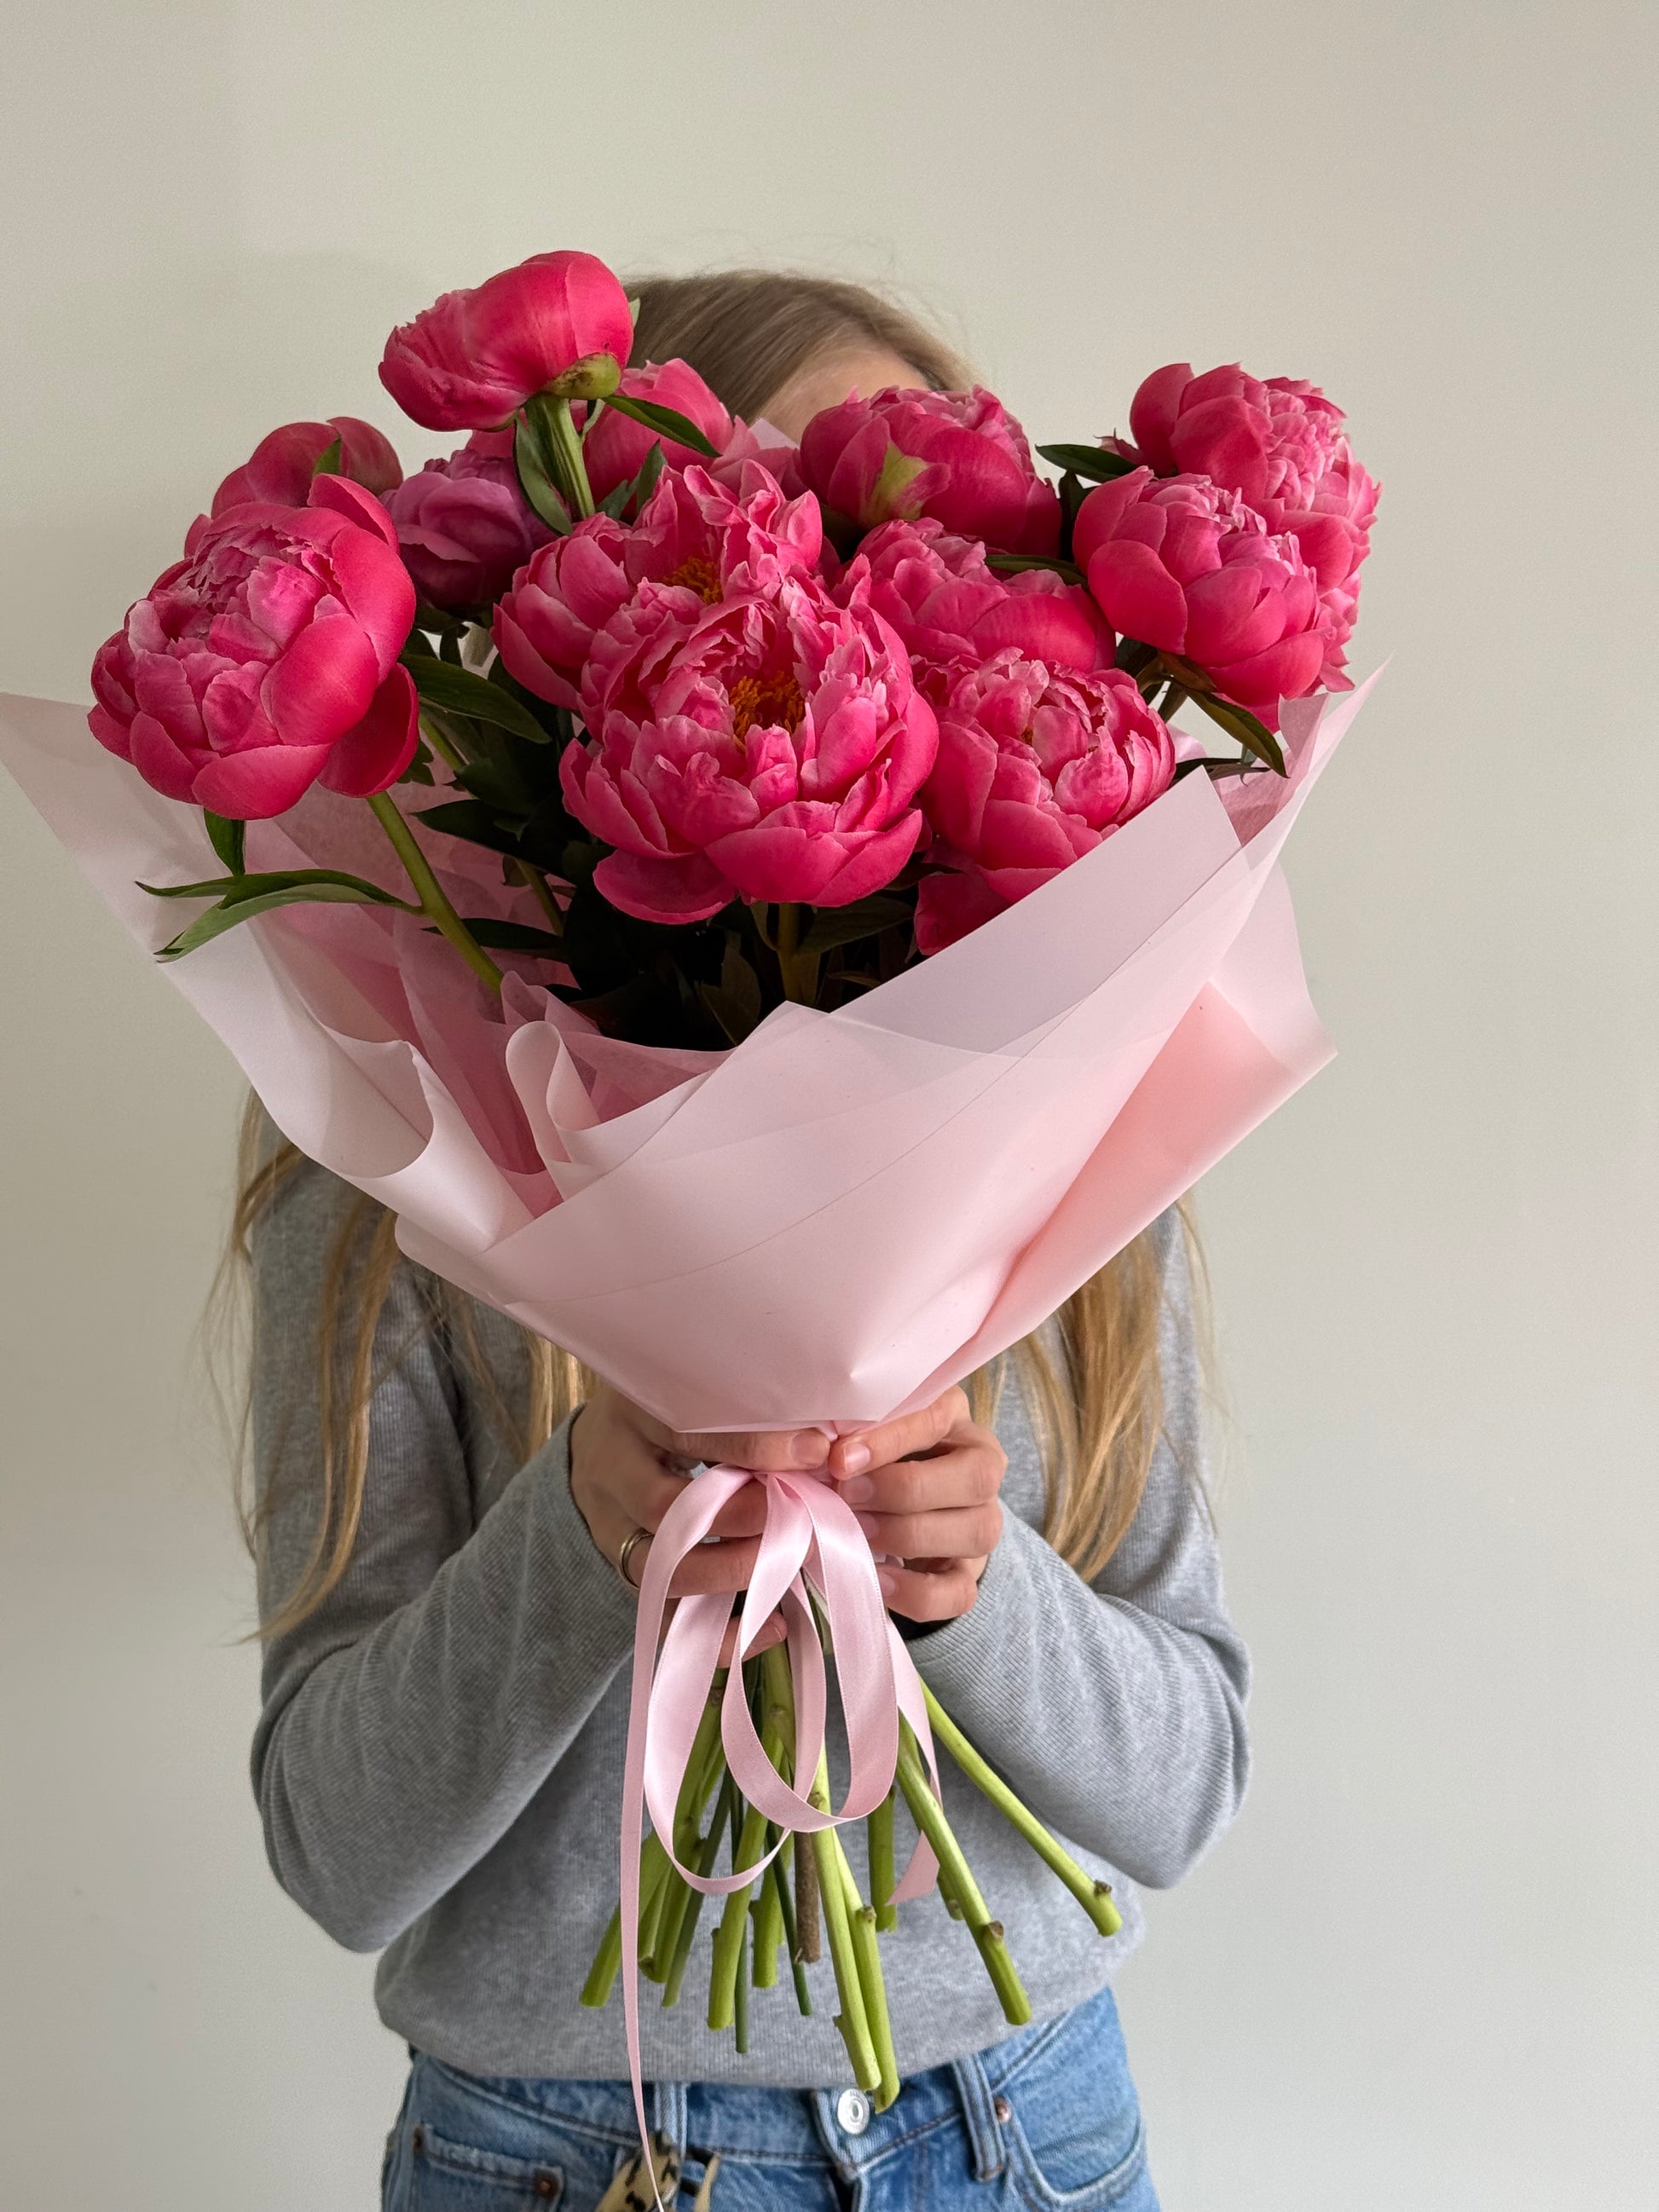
x,y
748,332
1095,1400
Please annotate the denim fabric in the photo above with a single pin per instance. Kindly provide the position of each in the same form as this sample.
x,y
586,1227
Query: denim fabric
x,y
1048,2119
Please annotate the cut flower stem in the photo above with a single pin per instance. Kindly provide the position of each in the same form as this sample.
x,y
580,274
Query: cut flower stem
x,y
1095,1896
434,903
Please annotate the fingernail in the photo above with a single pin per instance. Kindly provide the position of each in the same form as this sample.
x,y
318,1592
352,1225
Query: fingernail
x,y
855,1459
809,1448
859,1491
888,1580
869,1523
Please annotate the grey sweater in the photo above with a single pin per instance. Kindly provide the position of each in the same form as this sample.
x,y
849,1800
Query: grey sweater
x,y
438,1762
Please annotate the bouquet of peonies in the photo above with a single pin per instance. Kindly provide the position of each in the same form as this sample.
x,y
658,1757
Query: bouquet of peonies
x,y
776,852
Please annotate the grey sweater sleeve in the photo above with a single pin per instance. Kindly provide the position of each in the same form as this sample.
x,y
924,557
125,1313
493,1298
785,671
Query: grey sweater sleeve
x,y
1115,1708
407,1720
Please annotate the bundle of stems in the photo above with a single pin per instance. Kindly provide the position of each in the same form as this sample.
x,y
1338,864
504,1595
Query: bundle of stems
x,y
807,1893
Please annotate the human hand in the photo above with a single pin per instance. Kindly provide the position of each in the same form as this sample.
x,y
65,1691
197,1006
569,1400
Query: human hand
x,y
626,1469
925,1489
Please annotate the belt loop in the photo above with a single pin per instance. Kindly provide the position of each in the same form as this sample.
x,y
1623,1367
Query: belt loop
x,y
668,2114
979,2115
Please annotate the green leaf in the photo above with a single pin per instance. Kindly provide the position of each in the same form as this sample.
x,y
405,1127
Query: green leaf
x,y
473,819
234,890
219,919
327,462
646,482
1093,462
438,621
739,981
455,690
845,925
536,482
512,936
1239,722
735,1018
667,422
226,837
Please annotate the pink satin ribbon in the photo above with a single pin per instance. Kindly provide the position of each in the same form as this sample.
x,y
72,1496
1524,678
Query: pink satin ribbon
x,y
810,1543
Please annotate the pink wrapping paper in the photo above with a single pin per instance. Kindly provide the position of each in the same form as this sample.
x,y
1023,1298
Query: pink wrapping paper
x,y
830,1224
834,1221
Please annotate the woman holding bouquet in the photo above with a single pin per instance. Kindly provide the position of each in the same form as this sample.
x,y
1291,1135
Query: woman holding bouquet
x,y
451,1525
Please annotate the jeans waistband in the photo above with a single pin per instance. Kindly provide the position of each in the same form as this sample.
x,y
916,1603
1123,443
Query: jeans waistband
x,y
809,2124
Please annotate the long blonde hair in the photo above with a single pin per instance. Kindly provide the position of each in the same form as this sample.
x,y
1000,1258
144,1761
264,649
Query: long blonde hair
x,y
1095,1398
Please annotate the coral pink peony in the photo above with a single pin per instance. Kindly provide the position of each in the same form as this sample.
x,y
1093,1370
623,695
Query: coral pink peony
x,y
578,612
775,754
1279,443
281,466
1035,765
943,598
615,449
464,526
474,356
266,659
1178,563
956,456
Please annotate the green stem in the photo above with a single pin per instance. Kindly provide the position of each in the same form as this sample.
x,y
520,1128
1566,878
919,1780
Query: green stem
x,y
725,1807
445,747
725,1975
805,1932
740,1997
704,1768
434,904
788,944
875,2002
861,1922
853,2020
1095,1896
535,882
955,1872
607,1959
768,1918
778,1874
879,1834
564,445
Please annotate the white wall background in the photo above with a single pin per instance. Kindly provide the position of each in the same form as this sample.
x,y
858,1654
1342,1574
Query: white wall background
x,y
1422,1971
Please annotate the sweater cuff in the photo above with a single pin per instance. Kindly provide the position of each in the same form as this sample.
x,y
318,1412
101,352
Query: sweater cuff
x,y
594,1605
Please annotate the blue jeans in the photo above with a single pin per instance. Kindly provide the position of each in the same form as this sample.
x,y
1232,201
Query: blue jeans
x,y
1048,2120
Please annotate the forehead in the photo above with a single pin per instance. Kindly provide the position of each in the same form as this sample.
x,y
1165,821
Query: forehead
x,y
834,376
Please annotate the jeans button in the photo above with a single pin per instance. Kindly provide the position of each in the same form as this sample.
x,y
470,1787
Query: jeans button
x,y
1003,2109
852,2110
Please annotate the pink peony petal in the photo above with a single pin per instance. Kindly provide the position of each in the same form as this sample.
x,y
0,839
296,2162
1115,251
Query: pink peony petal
x,y
681,890
163,764
376,589
949,906
252,786
371,756
873,863
323,684
1138,595
1152,413
340,496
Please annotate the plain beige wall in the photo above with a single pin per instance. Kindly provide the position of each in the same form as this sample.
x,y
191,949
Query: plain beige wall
x,y
1422,1971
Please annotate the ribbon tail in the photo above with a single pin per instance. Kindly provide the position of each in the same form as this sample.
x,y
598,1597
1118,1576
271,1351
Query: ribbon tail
x,y
683,1526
